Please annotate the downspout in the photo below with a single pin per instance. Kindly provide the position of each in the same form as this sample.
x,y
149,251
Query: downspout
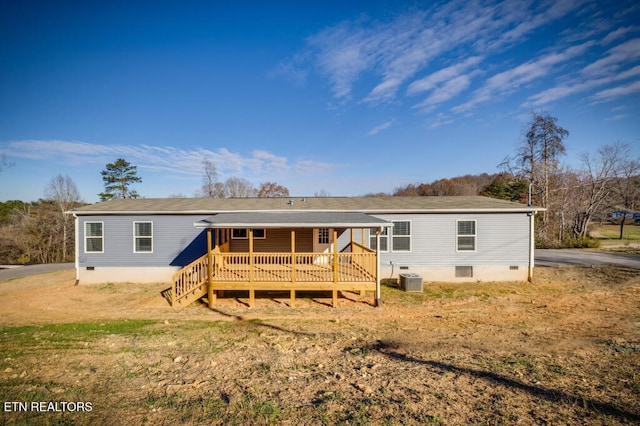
x,y
77,248
532,245
378,268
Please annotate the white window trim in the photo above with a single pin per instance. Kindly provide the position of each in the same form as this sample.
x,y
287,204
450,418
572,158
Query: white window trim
x,y
475,236
85,236
135,237
372,234
247,235
410,236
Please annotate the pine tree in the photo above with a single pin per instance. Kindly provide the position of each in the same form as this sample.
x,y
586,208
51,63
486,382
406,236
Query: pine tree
x,y
118,177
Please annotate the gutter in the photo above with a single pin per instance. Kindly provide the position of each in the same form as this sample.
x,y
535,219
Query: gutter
x,y
525,209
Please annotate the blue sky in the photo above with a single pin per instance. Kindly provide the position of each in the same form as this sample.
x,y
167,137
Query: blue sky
x,y
342,97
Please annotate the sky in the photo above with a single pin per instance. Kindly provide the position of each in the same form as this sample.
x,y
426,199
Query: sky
x,y
335,97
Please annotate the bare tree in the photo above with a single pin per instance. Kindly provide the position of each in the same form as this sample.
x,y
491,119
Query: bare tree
x,y
539,157
63,191
598,178
236,187
537,161
626,188
209,179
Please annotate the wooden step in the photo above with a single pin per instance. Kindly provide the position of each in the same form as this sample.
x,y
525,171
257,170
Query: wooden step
x,y
193,295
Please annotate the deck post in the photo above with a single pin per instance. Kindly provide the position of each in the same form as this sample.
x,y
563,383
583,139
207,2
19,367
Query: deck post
x,y
335,268
252,292
377,267
293,267
211,294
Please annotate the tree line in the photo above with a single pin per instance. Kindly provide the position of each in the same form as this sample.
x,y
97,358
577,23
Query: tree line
x,y
40,231
609,179
606,180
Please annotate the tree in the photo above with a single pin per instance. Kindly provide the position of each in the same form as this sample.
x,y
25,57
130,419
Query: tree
x,y
118,177
506,187
235,187
272,189
209,188
626,189
537,161
597,181
63,191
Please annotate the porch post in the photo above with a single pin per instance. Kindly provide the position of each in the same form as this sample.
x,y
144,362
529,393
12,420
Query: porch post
x,y
377,267
211,295
252,292
335,268
293,267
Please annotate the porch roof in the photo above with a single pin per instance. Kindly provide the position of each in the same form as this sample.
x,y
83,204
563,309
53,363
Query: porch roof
x,y
260,219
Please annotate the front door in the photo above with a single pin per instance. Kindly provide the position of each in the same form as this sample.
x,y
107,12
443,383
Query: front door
x,y
322,239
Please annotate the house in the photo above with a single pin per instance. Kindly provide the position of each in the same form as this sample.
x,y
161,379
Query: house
x,y
205,246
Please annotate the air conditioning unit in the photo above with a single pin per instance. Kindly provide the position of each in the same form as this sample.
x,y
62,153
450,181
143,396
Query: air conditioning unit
x,y
411,282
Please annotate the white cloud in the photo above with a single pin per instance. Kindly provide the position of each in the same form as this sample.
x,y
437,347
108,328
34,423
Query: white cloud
x,y
431,81
616,57
618,33
513,79
616,92
441,120
395,51
583,83
259,164
380,127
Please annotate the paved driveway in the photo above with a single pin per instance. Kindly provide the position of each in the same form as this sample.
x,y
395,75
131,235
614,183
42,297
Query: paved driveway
x,y
24,271
585,258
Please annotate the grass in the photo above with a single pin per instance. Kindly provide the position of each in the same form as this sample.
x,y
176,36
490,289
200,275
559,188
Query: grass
x,y
491,353
14,340
608,232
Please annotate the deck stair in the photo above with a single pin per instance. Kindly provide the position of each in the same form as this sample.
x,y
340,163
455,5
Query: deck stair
x,y
190,283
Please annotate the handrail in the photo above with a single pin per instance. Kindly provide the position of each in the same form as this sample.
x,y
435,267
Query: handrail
x,y
360,248
189,278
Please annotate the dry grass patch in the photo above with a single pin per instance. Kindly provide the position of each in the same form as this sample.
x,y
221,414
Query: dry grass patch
x,y
563,350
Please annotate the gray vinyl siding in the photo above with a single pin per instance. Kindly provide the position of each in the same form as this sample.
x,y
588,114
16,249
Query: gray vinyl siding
x,y
176,241
501,239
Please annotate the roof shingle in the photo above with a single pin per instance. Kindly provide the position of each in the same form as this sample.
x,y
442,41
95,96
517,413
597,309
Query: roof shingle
x,y
301,204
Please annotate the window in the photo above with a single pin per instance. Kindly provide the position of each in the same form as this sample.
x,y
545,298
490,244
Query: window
x,y
243,234
401,236
143,237
466,235
323,236
93,237
384,239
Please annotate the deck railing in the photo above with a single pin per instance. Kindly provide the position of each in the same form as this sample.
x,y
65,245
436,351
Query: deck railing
x,y
190,280
300,267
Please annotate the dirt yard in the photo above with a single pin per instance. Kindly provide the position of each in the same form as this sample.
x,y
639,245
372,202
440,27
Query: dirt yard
x,y
563,350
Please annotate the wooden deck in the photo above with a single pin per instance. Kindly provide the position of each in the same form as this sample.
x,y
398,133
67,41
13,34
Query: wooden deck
x,y
353,271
